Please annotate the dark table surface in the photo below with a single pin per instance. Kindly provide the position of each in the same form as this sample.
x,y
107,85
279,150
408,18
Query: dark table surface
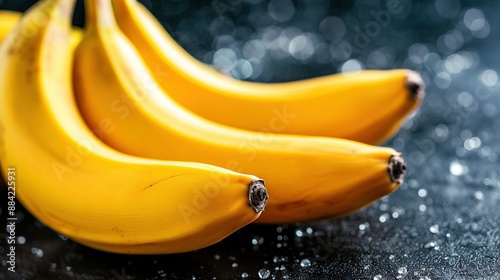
x,y
442,223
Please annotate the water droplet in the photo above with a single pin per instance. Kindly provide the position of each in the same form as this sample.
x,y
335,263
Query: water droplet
x,y
472,143
352,65
448,235
37,252
479,195
68,268
430,245
474,19
422,207
383,218
299,233
305,263
402,271
234,265
489,78
264,273
279,229
217,256
391,257
309,230
434,228
244,275
457,169
377,277
422,192
63,237
21,240
362,227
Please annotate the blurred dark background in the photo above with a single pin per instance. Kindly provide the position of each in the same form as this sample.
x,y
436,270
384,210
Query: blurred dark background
x,y
443,222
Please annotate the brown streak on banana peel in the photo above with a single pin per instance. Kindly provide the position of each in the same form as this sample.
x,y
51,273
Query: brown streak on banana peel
x,y
291,205
397,168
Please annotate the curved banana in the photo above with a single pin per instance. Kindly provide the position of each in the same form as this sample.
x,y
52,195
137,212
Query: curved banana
x,y
308,177
76,185
368,106
9,19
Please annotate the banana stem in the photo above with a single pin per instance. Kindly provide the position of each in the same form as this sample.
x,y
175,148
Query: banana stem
x,y
99,13
257,195
397,168
415,85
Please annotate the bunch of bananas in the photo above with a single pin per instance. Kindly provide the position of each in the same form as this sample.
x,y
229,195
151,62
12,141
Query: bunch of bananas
x,y
121,157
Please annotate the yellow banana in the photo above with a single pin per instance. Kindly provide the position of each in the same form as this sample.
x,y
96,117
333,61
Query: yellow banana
x,y
9,19
368,106
308,177
78,186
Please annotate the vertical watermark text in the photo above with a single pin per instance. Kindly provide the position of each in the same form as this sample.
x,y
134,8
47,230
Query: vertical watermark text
x,y
11,218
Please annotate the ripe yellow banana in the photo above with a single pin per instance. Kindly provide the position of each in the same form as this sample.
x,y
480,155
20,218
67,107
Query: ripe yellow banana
x,y
9,19
78,186
368,106
308,177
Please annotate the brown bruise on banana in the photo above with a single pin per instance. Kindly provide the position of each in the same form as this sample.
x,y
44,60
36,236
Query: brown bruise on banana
x,y
397,168
257,195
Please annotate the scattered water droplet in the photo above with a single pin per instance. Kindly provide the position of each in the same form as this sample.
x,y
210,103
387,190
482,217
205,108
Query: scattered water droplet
x,y
479,195
305,263
402,271
264,273
244,275
217,256
391,257
63,237
234,265
309,230
377,277
21,240
430,245
457,169
434,228
383,218
37,252
422,207
422,192
299,233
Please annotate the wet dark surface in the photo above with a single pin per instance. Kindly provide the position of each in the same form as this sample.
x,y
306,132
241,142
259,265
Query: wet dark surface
x,y
443,222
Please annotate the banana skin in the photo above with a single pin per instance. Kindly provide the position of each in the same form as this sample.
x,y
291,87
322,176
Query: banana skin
x,y
334,105
308,178
367,106
79,187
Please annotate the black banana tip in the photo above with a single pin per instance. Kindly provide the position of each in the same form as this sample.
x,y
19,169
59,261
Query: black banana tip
x,y
415,85
397,168
257,195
